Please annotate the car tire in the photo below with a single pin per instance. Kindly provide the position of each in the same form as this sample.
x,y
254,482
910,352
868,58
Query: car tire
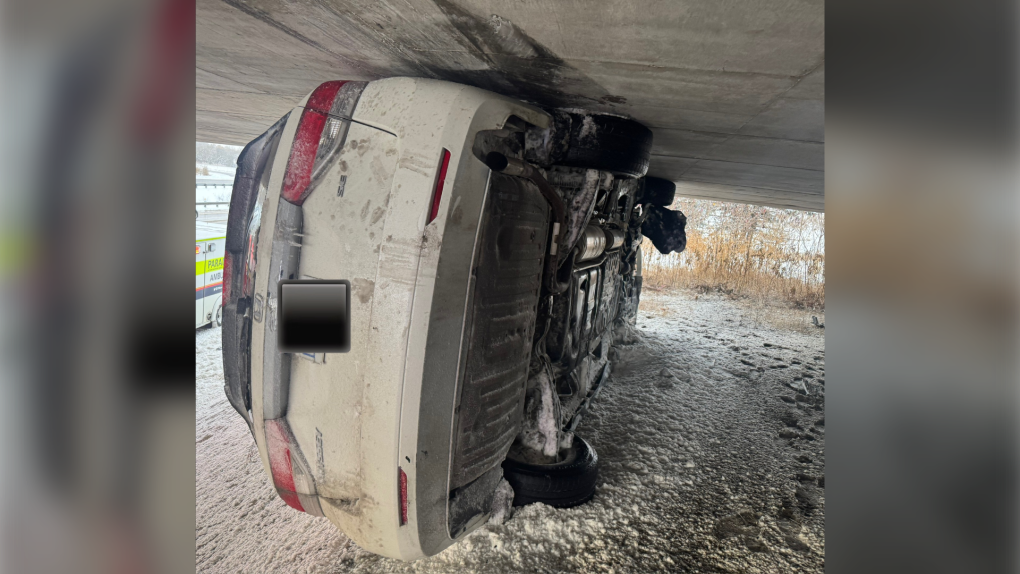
x,y
660,192
218,317
562,485
609,143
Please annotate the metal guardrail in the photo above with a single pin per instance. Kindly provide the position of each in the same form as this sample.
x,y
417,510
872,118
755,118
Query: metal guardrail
x,y
208,211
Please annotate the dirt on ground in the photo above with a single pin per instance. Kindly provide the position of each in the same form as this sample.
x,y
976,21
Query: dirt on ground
x,y
711,443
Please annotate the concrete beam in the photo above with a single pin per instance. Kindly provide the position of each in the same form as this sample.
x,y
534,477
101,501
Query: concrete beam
x,y
733,90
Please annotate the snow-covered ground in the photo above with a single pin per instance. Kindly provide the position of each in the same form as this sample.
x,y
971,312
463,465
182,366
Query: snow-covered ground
x,y
710,435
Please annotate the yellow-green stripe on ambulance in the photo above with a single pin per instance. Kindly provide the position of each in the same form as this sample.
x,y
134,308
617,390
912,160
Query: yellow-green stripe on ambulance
x,y
208,265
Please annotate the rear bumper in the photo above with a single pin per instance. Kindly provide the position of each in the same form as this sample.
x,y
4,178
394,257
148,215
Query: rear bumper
x,y
254,160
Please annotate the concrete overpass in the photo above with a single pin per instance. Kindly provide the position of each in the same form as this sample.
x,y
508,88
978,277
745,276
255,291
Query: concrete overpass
x,y
733,90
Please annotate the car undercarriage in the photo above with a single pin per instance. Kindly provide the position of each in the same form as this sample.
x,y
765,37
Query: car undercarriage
x,y
590,282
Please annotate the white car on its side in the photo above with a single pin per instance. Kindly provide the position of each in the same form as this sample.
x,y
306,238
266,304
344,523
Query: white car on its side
x,y
489,250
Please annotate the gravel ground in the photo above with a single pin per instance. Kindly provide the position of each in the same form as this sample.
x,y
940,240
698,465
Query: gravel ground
x,y
711,440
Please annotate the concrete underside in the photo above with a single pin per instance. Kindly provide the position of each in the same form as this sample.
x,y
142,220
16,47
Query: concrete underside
x,y
734,91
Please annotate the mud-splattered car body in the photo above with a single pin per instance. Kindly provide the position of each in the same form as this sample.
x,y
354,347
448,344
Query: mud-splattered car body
x,y
384,184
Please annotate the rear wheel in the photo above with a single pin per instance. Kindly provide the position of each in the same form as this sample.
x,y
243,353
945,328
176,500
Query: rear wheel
x,y
563,484
218,318
608,143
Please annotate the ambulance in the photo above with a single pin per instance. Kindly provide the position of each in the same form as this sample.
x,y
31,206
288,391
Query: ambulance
x,y
210,240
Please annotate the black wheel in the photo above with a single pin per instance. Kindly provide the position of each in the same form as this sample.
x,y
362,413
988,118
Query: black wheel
x,y
563,485
218,318
609,143
659,192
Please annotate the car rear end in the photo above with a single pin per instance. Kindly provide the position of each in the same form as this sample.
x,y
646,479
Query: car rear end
x,y
398,441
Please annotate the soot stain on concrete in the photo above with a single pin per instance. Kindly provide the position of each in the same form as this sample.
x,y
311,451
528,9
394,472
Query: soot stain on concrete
x,y
485,51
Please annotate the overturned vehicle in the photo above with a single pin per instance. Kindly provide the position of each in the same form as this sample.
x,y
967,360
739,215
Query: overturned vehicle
x,y
490,251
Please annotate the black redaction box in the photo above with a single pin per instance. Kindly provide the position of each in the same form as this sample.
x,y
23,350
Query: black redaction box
x,y
313,316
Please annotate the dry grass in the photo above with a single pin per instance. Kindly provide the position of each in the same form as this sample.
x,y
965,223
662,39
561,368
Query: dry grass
x,y
769,257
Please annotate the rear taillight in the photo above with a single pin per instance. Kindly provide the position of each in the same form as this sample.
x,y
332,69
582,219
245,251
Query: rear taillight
x,y
437,193
279,449
290,472
302,157
403,496
320,135
228,268
322,97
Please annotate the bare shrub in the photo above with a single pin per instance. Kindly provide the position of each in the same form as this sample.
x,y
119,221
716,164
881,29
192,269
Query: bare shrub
x,y
746,251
